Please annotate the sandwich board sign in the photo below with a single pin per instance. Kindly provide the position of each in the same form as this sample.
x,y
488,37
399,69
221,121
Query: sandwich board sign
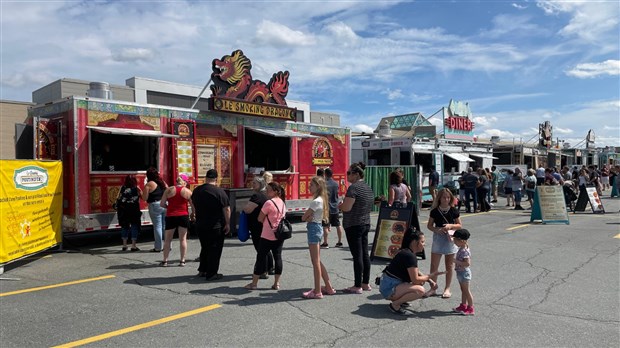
x,y
549,205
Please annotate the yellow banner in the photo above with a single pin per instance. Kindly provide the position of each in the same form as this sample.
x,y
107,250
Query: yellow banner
x,y
30,207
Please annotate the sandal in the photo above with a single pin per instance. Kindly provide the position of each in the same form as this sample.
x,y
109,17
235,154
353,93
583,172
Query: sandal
x,y
124,248
135,249
275,287
163,264
352,290
446,295
250,287
327,291
368,288
155,250
311,295
182,263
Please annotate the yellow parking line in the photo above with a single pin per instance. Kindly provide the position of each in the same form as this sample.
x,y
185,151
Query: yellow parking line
x,y
138,327
515,227
55,285
617,236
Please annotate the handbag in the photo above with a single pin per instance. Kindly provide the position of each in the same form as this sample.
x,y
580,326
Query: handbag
x,y
284,230
243,232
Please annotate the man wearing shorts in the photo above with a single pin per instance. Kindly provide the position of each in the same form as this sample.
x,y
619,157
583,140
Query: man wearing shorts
x,y
334,218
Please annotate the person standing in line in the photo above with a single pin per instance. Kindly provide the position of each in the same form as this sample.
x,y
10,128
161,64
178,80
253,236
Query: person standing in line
x,y
605,177
268,177
433,182
530,186
517,186
508,188
211,210
273,211
252,209
443,219
494,182
176,200
398,192
129,213
540,175
356,209
470,181
314,215
463,273
334,218
153,191
324,224
483,186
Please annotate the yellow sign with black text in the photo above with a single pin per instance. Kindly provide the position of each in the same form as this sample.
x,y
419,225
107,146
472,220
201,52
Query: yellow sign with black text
x,y
254,109
30,207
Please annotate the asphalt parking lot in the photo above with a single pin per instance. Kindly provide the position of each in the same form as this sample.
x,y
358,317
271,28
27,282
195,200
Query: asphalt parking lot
x,y
534,285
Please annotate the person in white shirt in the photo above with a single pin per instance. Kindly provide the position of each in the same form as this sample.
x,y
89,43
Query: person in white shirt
x,y
314,216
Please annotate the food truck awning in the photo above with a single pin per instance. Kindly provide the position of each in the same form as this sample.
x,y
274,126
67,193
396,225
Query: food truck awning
x,y
483,155
459,157
125,131
281,133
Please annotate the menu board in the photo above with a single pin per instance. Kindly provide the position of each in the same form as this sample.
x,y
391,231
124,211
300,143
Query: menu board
x,y
595,200
391,226
185,158
549,205
206,159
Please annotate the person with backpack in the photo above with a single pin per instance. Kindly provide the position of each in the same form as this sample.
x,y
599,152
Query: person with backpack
x,y
530,186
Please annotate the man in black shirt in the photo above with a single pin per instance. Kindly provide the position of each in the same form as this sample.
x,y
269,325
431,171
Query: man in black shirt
x,y
469,181
211,209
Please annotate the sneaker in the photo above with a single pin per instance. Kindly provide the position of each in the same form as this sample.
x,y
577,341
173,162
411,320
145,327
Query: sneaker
x,y
325,246
399,311
468,311
310,294
338,245
460,309
327,291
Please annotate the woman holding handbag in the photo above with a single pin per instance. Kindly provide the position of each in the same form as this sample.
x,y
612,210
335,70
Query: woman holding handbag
x,y
270,215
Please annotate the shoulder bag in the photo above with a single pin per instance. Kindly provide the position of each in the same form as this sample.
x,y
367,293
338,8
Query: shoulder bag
x,y
284,230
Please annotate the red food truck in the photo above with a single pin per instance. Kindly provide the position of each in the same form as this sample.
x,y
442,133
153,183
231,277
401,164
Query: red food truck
x,y
100,141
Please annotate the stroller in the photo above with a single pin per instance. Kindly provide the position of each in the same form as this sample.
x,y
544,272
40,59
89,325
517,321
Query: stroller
x,y
570,194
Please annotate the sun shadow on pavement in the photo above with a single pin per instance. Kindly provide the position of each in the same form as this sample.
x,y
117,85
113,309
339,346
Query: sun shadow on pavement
x,y
381,311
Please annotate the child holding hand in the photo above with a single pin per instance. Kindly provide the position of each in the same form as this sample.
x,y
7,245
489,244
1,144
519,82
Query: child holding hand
x,y
463,273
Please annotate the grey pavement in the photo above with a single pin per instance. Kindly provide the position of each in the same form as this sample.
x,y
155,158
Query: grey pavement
x,y
534,285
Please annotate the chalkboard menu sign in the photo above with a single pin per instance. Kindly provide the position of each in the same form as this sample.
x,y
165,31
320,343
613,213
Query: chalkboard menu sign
x,y
391,226
589,195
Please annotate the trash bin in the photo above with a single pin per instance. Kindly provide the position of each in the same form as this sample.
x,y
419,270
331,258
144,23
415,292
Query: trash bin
x,y
238,197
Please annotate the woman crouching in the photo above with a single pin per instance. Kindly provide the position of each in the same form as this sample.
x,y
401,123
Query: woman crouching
x,y
402,281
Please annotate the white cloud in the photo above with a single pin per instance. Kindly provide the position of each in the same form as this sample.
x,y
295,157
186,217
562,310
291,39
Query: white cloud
x,y
591,20
133,54
276,34
343,33
393,94
519,7
587,70
362,128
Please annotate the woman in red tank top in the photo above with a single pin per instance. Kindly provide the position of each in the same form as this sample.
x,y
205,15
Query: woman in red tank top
x,y
176,199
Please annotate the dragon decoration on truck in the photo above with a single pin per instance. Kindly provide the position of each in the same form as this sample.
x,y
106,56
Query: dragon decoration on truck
x,y
232,79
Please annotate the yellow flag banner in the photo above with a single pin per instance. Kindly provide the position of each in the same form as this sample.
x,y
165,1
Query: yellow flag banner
x,y
30,207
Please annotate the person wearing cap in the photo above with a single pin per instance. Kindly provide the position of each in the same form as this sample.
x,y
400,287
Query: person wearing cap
x,y
463,273
211,209
402,281
176,199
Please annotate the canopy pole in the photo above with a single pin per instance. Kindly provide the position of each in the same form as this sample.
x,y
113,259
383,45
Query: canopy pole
x,y
201,92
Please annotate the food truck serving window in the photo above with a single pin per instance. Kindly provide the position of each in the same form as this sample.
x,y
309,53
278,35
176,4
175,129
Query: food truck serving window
x,y
119,149
269,148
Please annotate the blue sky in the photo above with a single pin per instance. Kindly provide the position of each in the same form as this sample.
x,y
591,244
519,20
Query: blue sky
x,y
517,63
